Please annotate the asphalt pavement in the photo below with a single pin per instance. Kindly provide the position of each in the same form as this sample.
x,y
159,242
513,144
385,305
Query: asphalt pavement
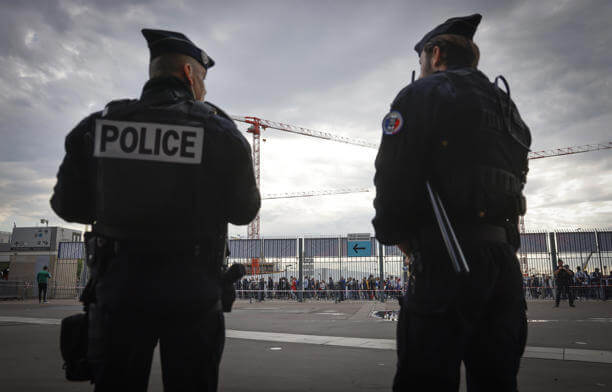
x,y
318,346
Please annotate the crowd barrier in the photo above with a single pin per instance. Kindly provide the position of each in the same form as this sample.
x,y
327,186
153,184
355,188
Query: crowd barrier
x,y
11,289
14,289
586,292
582,292
26,290
319,295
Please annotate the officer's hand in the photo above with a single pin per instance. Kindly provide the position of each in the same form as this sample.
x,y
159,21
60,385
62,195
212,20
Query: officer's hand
x,y
405,247
228,296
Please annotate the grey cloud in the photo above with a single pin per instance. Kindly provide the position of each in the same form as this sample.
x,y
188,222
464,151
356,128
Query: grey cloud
x,y
331,66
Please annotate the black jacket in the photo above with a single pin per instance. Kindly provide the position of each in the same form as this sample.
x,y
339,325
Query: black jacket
x,y
228,193
463,134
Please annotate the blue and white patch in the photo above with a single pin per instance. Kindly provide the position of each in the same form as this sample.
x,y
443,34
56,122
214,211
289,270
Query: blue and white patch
x,y
392,123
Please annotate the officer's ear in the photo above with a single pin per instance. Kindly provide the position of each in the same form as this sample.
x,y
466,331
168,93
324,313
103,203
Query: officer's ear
x,y
436,57
188,71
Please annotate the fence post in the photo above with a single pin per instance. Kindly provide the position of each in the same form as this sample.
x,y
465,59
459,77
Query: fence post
x,y
553,250
301,267
340,256
601,289
381,263
598,252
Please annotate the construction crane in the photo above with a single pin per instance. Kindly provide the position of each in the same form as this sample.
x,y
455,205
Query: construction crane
x,y
569,150
257,125
292,195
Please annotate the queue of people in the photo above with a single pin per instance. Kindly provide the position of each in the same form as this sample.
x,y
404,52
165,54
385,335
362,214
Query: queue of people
x,y
366,288
581,284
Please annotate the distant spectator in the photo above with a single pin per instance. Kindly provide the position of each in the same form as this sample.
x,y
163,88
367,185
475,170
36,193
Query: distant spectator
x,y
581,280
563,279
596,284
43,279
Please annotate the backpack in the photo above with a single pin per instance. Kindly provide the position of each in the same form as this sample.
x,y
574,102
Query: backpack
x,y
73,345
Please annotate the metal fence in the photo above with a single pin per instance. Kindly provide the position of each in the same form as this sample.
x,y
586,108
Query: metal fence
x,y
14,289
326,256
379,272
323,257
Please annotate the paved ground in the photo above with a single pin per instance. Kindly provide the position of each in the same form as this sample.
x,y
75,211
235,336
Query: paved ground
x,y
289,361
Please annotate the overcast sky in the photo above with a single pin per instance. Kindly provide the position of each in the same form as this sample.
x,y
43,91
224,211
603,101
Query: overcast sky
x,y
327,65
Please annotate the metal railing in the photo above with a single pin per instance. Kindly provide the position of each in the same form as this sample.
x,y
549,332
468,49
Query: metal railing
x,y
14,289
319,295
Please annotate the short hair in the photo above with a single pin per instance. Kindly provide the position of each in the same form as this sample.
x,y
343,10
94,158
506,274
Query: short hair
x,y
169,64
455,50
45,267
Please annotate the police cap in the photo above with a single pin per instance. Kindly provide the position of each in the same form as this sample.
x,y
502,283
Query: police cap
x,y
161,41
461,25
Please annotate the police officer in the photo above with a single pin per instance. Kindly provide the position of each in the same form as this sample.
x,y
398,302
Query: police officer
x,y
464,135
563,280
159,178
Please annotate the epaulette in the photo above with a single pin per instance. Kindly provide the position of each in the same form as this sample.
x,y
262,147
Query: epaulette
x,y
217,110
116,104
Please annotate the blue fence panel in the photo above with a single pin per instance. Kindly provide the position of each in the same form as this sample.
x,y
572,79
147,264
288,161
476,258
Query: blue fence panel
x,y
605,241
280,247
244,249
576,242
71,250
534,243
392,250
321,247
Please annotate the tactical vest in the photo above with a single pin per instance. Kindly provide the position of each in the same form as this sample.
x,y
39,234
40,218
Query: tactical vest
x,y
149,163
480,151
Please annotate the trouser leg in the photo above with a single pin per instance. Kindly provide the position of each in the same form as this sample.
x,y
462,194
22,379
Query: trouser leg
x,y
191,351
121,350
570,295
40,290
558,291
429,350
492,359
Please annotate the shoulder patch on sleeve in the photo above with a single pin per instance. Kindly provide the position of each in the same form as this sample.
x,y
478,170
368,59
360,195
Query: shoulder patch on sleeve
x,y
392,123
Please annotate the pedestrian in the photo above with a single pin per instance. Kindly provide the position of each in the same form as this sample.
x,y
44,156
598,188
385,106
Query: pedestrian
x,y
563,280
580,280
596,278
42,277
159,178
463,134
261,289
342,288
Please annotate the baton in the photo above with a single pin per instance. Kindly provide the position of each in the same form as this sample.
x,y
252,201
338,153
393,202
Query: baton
x,y
448,234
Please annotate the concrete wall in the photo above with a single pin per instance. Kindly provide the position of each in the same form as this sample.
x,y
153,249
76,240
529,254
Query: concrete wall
x,y
24,266
5,237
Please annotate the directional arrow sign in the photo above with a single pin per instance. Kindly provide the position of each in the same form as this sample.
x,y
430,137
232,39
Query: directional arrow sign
x,y
359,248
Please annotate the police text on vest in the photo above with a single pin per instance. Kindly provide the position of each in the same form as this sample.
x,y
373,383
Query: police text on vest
x,y
148,141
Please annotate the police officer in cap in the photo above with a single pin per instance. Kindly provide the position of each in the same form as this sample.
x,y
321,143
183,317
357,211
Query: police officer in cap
x,y
461,133
159,178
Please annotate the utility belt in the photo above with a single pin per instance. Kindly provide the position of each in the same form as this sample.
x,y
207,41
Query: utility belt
x,y
429,236
160,238
119,239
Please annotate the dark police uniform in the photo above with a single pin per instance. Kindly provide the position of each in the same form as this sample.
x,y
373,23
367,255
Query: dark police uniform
x,y
160,178
465,136
563,281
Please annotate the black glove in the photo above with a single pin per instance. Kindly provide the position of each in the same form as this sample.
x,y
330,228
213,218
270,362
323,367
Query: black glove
x,y
228,291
